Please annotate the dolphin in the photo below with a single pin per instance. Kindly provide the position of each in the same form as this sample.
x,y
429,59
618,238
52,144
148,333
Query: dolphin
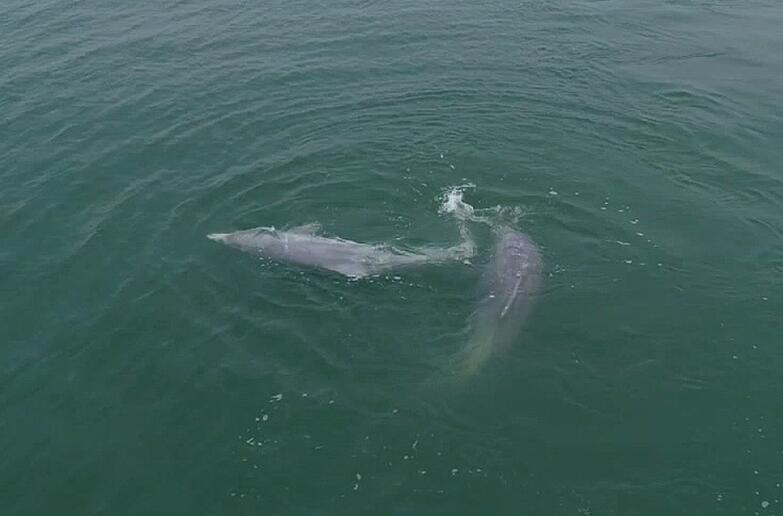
x,y
303,245
511,282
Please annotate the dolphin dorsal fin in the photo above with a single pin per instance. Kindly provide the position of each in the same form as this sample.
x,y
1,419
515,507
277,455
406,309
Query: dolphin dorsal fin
x,y
306,229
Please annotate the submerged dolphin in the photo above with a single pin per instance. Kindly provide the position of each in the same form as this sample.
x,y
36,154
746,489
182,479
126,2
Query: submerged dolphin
x,y
512,280
302,245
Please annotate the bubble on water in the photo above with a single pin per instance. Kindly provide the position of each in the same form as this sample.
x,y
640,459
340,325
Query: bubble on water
x,y
552,192
622,243
764,504
454,471
265,417
276,397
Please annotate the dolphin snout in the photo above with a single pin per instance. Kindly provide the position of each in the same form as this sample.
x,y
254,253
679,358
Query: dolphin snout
x,y
218,237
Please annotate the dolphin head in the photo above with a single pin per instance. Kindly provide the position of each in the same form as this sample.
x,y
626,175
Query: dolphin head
x,y
257,240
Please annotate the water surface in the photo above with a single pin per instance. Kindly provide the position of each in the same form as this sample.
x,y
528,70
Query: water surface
x,y
146,370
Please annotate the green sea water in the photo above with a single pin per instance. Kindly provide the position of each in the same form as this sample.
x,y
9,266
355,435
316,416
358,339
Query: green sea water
x,y
146,370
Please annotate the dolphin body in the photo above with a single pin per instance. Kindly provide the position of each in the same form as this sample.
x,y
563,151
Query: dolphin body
x,y
511,282
303,246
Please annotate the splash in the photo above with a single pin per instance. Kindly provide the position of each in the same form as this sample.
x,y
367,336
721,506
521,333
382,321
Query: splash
x,y
453,203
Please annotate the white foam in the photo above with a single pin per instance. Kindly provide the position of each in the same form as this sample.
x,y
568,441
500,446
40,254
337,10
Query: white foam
x,y
453,203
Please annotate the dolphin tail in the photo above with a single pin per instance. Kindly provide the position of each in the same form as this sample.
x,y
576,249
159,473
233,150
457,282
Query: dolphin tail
x,y
478,350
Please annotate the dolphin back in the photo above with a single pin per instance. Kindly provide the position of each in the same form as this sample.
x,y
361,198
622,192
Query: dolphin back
x,y
510,282
303,246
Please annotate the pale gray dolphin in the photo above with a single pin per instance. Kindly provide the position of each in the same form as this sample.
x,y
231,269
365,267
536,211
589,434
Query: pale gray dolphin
x,y
303,246
511,282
